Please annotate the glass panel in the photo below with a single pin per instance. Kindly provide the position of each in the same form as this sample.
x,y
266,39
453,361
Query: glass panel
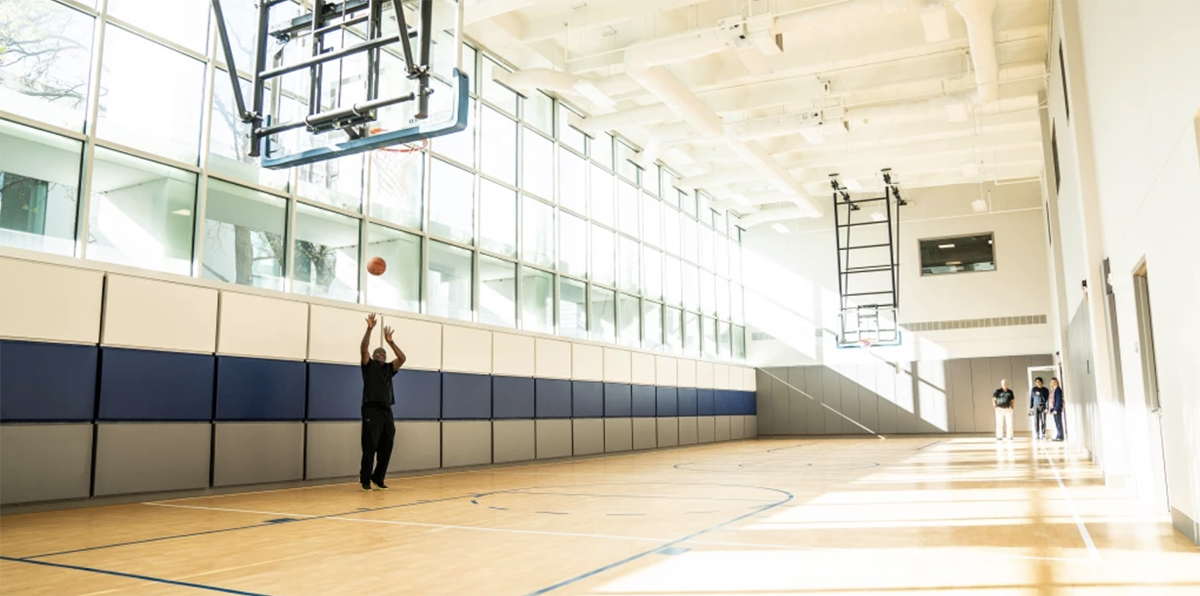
x,y
497,292
604,255
650,180
629,276
651,226
39,189
229,145
735,304
46,62
337,182
537,239
400,285
653,323
244,236
572,252
442,58
706,248
673,275
499,146
722,288
572,183
326,254
603,205
158,112
691,242
449,281
141,213
460,146
572,308
673,329
569,135
739,343
537,300
396,183
735,261
629,318
688,200
494,92
653,284
184,22
671,230
602,149
604,316
721,246
957,255
625,165
537,171
628,207
708,293
497,218
539,112
666,187
452,202
708,327
691,287
724,345
691,333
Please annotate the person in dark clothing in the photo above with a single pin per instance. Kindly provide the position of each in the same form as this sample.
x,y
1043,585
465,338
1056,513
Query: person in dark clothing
x,y
1039,398
1002,402
378,428
1056,407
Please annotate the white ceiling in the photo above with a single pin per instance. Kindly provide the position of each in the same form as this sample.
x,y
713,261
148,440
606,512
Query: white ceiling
x,y
876,83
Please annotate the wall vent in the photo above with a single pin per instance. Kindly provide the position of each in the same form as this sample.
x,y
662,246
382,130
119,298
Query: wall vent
x,y
976,323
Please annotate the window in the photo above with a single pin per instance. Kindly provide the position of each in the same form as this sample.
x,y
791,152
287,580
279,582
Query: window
x,y
395,181
688,200
497,292
229,142
670,230
604,315
537,165
666,187
537,300
722,289
497,218
602,197
691,287
459,146
650,180
690,239
326,254
39,190
739,343
244,236
708,294
572,308
691,333
449,281
957,255
539,112
708,340
629,276
494,92
673,275
1054,154
735,261
724,340
337,182
673,329
183,21
537,237
629,319
498,142
625,166
705,258
568,135
736,313
47,62
652,287
452,202
652,226
721,260
151,96
572,252
141,213
1062,75
652,313
400,285
628,208
572,182
602,150
604,251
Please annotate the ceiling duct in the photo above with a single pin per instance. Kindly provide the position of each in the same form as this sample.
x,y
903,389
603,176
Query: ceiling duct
x,y
982,40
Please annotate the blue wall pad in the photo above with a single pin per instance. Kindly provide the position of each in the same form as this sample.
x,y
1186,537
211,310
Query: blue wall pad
x,y
334,391
749,404
42,381
512,397
724,402
553,398
668,401
618,400
644,399
704,402
259,389
587,399
418,395
149,385
466,396
687,401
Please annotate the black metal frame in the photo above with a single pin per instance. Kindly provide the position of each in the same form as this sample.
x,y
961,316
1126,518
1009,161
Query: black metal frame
x,y
326,18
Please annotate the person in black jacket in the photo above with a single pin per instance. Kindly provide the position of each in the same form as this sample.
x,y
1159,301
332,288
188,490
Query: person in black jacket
x,y
378,428
1002,402
1039,398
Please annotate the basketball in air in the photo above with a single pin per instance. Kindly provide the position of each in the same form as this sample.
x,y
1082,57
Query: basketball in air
x,y
376,266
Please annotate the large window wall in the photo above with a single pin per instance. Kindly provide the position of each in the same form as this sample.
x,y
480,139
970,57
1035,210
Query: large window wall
x,y
119,143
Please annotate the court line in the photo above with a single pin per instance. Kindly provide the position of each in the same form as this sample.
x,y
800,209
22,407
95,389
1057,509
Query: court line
x,y
884,551
527,492
148,578
1093,552
929,445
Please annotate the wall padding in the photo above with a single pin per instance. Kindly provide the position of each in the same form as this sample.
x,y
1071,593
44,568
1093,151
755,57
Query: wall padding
x,y
705,428
553,438
466,443
513,355
513,397
721,376
258,389
553,398
687,401
751,427
512,440
705,402
553,359
258,452
466,397
737,427
418,446
466,350
418,394
645,433
618,400
142,313
617,366
668,371
334,449
150,385
335,335
704,375
44,462
420,340
335,391
256,326
668,432
587,399
587,435
73,295
721,426
151,457
687,373
667,402
587,363
644,369
34,388
750,380
618,434
688,433
645,401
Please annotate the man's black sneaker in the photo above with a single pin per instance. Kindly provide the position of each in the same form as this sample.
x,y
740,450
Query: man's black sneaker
x,y
380,486
366,486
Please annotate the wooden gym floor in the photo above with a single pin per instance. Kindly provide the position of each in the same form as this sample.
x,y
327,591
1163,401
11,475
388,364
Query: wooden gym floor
x,y
914,515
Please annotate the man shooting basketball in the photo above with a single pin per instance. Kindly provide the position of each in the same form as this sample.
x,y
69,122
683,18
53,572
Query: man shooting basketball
x,y
378,428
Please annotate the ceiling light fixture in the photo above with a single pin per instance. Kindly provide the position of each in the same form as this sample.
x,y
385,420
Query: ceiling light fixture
x,y
778,227
945,246
954,262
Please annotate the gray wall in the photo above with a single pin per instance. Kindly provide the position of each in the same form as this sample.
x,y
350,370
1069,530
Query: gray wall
x,y
936,396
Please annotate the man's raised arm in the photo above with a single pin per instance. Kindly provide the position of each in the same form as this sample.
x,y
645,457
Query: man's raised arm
x,y
365,348
400,357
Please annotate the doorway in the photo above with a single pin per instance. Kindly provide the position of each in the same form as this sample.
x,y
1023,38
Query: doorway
x,y
1145,349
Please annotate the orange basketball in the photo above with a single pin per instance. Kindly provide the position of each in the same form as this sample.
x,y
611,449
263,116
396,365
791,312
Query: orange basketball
x,y
376,266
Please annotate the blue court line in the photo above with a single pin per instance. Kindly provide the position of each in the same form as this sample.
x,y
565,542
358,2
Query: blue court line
x,y
134,576
929,445
671,544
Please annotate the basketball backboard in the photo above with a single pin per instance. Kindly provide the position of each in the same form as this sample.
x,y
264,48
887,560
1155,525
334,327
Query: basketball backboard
x,y
339,78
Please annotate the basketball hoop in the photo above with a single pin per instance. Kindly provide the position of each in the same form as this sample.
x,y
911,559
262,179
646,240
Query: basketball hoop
x,y
414,147
865,343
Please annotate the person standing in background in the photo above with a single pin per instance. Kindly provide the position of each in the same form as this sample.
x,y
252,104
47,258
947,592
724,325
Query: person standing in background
x,y
1002,402
378,428
1039,398
1056,407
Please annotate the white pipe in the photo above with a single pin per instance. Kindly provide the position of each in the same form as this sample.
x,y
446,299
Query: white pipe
x,y
982,39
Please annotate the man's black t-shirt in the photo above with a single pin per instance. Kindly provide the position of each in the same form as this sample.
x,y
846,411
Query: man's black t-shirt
x,y
1039,397
1004,398
377,383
